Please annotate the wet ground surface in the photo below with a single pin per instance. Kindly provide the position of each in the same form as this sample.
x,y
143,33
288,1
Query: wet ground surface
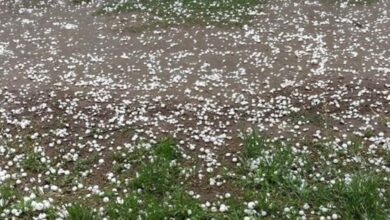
x,y
70,80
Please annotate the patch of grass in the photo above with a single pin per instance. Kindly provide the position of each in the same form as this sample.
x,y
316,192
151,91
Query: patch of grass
x,y
254,145
7,195
162,195
160,173
176,204
157,177
276,175
83,164
307,117
361,199
353,2
219,12
274,182
167,149
33,162
80,212
81,1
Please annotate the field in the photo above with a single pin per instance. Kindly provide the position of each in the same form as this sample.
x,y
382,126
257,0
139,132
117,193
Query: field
x,y
184,109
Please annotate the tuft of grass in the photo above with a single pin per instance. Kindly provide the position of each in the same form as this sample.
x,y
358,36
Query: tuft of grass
x,y
254,145
307,117
7,195
175,205
83,164
156,177
81,1
80,212
33,163
160,173
353,2
361,199
167,149
162,196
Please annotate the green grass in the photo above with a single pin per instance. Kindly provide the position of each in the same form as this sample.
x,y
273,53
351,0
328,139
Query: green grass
x,y
175,204
33,163
159,174
274,174
361,199
308,117
81,1
353,2
271,181
7,195
254,145
220,12
161,193
84,164
78,211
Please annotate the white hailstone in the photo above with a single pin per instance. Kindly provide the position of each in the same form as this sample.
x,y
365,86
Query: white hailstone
x,y
101,161
15,212
227,195
223,208
42,216
119,200
247,218
234,159
335,216
323,209
106,199
306,206
301,212
37,206
251,205
192,147
46,204
54,188
214,209
263,213
287,209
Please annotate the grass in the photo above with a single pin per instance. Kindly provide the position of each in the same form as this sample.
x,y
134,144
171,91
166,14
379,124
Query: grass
x,y
361,199
33,163
157,191
308,117
222,12
273,186
276,177
7,195
78,211
354,2
81,1
84,164
176,204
